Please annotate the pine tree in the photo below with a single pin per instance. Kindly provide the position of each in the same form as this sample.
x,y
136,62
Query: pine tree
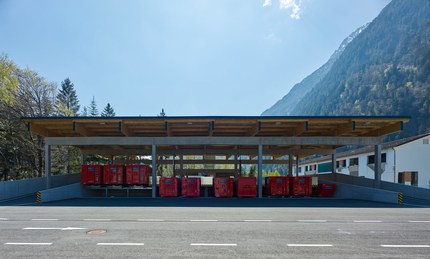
x,y
93,111
84,112
67,100
108,111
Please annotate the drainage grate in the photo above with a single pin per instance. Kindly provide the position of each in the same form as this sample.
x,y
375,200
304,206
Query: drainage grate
x,y
96,232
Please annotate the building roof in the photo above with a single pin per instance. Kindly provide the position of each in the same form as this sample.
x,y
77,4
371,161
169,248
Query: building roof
x,y
203,127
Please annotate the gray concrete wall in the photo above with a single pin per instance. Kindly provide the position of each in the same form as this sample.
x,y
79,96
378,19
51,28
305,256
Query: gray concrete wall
x,y
407,190
348,191
70,191
14,189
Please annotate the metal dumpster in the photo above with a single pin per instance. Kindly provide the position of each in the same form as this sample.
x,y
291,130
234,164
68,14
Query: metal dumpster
x,y
223,187
246,187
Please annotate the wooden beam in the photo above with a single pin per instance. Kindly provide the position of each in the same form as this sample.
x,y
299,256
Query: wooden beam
x,y
125,130
37,130
301,127
255,129
80,129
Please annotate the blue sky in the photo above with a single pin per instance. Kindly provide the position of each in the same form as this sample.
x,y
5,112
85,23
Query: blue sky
x,y
190,57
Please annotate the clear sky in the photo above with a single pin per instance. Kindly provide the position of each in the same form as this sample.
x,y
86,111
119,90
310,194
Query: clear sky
x,y
190,57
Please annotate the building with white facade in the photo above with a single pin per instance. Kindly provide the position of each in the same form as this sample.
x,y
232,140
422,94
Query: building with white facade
x,y
403,161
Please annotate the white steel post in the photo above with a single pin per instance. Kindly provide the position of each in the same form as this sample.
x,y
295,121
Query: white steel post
x,y
260,171
48,165
154,171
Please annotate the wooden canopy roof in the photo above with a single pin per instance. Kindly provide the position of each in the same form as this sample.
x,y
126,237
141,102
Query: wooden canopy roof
x,y
225,127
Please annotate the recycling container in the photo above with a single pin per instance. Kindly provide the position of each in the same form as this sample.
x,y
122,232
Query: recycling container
x,y
326,189
113,174
277,185
137,174
301,186
246,187
223,187
191,187
169,187
91,174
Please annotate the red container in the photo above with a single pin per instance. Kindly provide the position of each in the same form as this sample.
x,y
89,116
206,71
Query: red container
x,y
246,187
91,174
326,189
137,174
113,174
301,186
223,187
277,186
191,187
169,187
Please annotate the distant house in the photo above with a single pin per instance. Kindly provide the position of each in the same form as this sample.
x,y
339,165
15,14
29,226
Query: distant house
x,y
404,161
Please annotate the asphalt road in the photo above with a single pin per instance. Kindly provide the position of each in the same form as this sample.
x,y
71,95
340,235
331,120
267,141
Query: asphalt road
x,y
152,230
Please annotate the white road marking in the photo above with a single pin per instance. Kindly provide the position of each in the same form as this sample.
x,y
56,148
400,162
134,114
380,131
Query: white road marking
x,y
258,220
407,246
4,219
45,219
367,221
204,220
419,221
310,245
97,219
51,228
313,220
205,244
120,244
155,220
29,244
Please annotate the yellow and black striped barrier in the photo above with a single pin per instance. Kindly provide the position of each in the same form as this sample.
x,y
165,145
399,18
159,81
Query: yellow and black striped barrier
x,y
38,197
400,198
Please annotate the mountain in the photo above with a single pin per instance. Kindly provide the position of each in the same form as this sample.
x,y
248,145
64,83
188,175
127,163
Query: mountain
x,y
383,71
285,106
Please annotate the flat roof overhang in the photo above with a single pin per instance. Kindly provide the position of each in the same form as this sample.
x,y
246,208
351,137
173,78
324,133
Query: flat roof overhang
x,y
214,135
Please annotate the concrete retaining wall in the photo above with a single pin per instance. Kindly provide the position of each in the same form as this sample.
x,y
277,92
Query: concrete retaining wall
x,y
407,190
70,191
348,191
14,189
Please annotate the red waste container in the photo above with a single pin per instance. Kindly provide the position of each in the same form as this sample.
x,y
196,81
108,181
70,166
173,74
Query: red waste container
x,y
223,187
169,187
137,174
191,187
277,186
301,186
113,174
246,187
91,174
326,189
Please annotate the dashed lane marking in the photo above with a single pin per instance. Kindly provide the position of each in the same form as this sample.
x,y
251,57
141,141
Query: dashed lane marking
x,y
406,246
309,245
29,244
312,220
419,221
206,244
44,219
97,219
204,220
367,221
120,244
151,220
4,219
258,220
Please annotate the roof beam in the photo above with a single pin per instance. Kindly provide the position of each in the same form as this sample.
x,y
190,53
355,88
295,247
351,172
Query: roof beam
x,y
242,141
38,130
255,129
301,127
125,130
79,128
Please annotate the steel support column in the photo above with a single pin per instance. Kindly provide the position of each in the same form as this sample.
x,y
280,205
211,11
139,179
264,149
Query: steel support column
x,y
333,163
377,165
260,171
290,165
154,171
48,165
297,165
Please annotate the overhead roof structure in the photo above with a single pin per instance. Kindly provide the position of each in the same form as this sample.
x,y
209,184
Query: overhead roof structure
x,y
213,135
221,135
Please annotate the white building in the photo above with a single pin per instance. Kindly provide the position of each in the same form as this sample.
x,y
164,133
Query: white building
x,y
403,161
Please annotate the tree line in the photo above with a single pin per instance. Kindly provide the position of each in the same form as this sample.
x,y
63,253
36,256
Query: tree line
x,y
25,93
